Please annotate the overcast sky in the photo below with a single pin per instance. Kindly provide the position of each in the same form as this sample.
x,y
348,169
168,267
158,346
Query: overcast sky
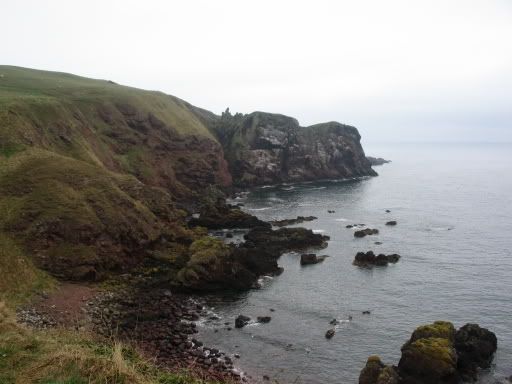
x,y
435,70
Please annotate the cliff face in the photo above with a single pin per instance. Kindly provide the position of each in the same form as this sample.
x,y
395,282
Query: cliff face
x,y
263,148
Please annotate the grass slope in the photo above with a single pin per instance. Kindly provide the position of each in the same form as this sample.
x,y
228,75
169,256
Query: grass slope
x,y
90,170
64,357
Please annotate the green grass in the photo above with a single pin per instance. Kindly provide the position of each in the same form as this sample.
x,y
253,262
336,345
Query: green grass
x,y
65,357
19,278
41,89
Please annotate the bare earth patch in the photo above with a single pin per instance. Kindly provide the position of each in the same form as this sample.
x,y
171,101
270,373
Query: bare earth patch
x,y
64,307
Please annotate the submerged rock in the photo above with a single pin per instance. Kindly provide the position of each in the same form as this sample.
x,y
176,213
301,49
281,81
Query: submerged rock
x,y
264,319
330,333
391,223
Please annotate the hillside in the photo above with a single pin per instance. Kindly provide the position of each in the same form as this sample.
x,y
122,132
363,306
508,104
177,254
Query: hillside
x,y
90,170
95,176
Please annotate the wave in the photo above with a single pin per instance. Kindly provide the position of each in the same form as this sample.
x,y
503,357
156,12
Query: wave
x,y
341,219
259,209
276,200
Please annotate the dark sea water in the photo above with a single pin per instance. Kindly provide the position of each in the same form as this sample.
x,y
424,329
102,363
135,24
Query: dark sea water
x,y
453,204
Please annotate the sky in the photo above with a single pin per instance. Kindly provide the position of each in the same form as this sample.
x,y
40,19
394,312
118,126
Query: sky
x,y
398,70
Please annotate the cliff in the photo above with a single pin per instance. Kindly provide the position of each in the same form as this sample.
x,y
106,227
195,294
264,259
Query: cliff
x,y
264,148
96,177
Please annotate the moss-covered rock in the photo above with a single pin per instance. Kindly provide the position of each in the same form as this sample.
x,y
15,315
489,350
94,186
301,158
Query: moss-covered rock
x,y
376,372
437,354
370,373
429,360
438,329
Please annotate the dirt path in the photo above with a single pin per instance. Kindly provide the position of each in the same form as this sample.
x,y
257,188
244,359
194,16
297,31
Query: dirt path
x,y
63,307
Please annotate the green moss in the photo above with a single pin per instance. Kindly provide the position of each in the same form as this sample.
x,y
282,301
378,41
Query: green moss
x,y
207,255
374,359
439,329
435,349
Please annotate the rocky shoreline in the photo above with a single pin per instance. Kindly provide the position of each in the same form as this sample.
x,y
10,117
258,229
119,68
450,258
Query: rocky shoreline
x,y
161,319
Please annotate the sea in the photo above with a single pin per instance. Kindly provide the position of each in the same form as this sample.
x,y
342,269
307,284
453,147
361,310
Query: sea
x,y
453,207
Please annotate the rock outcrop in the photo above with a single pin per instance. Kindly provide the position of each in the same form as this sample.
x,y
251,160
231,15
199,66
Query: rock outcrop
x,y
377,160
436,354
366,232
311,258
369,259
298,220
264,148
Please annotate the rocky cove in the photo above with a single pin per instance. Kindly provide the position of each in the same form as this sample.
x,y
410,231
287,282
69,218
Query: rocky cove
x,y
120,200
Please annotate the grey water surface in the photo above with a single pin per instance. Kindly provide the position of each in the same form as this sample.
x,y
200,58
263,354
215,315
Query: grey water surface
x,y
453,205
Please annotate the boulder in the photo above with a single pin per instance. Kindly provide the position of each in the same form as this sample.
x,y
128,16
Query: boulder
x,y
475,348
375,372
430,360
436,354
330,333
241,321
264,319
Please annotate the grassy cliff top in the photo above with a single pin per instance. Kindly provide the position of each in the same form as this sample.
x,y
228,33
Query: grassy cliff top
x,y
36,88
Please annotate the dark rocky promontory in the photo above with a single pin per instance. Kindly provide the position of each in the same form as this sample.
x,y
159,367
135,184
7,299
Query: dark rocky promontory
x,y
264,148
